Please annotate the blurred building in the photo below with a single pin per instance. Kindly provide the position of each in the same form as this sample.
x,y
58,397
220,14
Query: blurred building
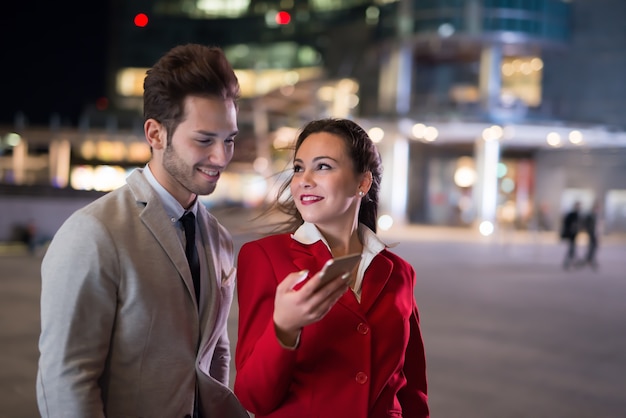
x,y
488,113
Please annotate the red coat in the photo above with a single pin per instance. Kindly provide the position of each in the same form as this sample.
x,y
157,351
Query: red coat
x,y
362,360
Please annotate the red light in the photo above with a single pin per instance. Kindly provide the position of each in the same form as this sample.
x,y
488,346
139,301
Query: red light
x,y
102,103
283,18
141,20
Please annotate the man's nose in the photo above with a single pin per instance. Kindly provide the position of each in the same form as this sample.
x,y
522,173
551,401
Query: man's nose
x,y
220,154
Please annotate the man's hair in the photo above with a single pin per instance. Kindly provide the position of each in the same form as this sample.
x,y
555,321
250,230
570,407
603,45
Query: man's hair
x,y
186,70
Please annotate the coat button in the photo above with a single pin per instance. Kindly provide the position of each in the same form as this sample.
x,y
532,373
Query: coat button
x,y
361,378
362,328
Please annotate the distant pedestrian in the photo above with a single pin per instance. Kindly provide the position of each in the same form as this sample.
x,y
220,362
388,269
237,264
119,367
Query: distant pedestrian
x,y
569,230
32,237
29,236
590,225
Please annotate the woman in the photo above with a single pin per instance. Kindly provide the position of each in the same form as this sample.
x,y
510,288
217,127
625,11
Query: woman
x,y
352,347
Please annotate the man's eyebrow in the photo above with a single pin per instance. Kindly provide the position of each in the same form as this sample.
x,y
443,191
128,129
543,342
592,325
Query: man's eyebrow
x,y
214,134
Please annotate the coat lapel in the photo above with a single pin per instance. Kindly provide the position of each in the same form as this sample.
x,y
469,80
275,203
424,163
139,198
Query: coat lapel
x,y
376,277
210,237
152,216
312,257
309,257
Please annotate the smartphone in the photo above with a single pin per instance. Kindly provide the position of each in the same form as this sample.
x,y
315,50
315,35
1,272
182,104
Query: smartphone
x,y
339,266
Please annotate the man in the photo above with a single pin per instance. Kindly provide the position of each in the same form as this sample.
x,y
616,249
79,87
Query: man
x,y
125,330
569,231
590,223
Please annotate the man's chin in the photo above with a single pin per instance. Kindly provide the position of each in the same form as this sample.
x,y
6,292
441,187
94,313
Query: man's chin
x,y
205,190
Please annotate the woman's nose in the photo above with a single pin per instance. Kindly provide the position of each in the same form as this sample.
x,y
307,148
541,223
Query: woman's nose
x,y
306,179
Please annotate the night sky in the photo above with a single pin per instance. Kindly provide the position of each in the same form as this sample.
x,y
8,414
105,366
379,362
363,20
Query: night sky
x,y
53,58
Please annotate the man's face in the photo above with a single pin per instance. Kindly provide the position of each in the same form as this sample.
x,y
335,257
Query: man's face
x,y
199,150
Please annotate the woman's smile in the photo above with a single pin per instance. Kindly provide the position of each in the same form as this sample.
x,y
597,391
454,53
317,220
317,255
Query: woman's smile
x,y
307,199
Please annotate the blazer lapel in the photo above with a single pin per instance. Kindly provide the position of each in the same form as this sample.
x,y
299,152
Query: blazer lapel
x,y
376,277
309,257
312,257
152,216
210,237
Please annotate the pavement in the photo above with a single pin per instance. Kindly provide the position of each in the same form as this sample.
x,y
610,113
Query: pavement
x,y
508,332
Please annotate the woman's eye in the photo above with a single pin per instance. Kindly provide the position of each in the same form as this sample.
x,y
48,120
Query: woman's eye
x,y
323,166
297,169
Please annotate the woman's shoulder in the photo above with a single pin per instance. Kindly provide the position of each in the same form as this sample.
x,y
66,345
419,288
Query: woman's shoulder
x,y
269,241
395,259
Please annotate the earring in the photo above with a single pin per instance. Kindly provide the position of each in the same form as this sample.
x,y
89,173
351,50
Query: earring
x,y
361,193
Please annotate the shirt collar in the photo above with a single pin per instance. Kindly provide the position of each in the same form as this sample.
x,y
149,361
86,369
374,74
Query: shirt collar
x,y
307,234
173,209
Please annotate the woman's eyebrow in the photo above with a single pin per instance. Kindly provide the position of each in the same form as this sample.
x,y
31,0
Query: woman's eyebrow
x,y
321,157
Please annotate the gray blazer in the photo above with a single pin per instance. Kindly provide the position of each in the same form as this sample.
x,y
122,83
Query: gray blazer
x,y
116,283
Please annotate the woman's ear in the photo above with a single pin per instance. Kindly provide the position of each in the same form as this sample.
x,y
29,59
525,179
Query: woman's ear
x,y
366,182
155,133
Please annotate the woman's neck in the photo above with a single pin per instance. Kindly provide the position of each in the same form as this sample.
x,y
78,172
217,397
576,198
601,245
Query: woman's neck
x,y
346,242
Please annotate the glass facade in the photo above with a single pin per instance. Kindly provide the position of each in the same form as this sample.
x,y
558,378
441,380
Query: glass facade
x,y
434,80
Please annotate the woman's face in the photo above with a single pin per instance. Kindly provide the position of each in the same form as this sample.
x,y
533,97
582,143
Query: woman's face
x,y
324,186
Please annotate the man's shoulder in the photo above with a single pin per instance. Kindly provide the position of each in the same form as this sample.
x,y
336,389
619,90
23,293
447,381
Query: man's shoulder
x,y
114,198
114,206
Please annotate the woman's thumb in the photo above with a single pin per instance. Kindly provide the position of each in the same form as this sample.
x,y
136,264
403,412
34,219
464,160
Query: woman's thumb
x,y
293,279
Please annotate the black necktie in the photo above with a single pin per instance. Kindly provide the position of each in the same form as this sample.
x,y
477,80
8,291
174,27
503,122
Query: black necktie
x,y
189,224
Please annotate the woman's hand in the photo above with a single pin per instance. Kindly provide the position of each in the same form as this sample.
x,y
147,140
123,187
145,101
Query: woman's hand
x,y
293,309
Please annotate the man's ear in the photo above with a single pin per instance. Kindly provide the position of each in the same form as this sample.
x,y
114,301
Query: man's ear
x,y
155,133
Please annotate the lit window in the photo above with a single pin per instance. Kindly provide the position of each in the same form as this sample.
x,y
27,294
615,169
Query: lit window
x,y
521,80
